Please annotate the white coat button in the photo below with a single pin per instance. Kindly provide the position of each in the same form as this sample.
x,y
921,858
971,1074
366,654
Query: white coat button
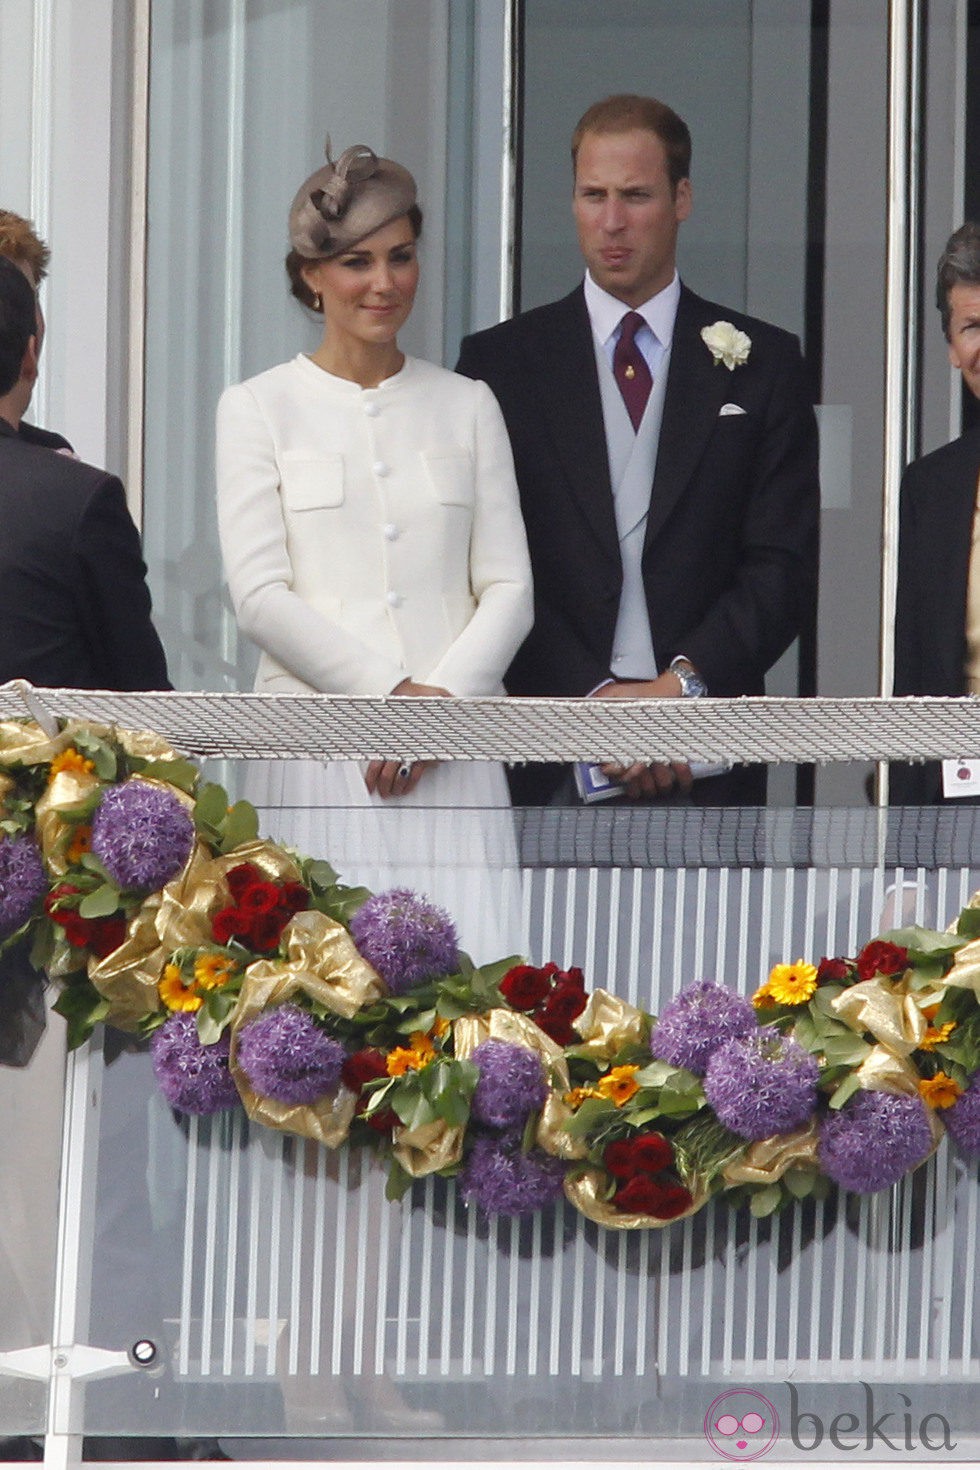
x,y
394,599
380,468
391,532
371,409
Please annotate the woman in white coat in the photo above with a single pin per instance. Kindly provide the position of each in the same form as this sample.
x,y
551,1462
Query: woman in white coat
x,y
372,539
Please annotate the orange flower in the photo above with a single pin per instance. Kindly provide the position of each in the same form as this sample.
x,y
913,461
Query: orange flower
x,y
939,1091
175,993
577,1096
936,1035
70,759
619,1085
404,1059
440,1027
212,970
762,997
931,1012
80,843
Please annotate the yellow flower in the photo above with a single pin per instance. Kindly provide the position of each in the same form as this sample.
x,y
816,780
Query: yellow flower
x,y
212,970
939,1091
175,993
936,1035
80,843
577,1096
619,1085
792,985
440,1027
762,997
70,759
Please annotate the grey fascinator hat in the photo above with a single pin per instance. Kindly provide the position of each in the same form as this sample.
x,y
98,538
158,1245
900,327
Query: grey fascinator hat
x,y
345,201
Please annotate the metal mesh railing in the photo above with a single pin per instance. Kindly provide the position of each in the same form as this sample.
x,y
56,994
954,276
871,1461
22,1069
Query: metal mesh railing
x,y
349,727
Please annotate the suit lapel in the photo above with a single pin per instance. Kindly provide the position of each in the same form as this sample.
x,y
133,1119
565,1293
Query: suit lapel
x,y
562,364
696,390
951,501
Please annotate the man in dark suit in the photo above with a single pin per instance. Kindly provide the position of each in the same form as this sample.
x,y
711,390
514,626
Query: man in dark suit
x,y
74,605
698,576
20,243
937,619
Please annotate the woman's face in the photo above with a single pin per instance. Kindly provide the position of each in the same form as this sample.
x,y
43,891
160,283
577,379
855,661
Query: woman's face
x,y
367,293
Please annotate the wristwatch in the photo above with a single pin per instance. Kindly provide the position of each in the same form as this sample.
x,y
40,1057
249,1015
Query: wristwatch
x,y
692,685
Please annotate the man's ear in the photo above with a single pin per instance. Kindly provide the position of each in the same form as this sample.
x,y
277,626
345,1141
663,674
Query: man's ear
x,y
28,366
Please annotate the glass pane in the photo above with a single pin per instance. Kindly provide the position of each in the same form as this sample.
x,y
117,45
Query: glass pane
x,y
286,1297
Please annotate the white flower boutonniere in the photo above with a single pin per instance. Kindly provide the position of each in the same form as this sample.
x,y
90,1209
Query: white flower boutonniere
x,y
726,344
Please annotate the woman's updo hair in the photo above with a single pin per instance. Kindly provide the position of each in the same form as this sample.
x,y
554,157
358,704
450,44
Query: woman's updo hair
x,y
295,263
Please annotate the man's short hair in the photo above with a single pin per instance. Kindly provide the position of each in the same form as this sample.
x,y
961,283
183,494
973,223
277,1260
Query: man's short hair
x,y
959,265
19,243
18,322
626,111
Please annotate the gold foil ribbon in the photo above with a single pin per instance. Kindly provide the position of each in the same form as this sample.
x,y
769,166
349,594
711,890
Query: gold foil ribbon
x,y
886,1010
768,1159
586,1191
965,974
270,983
426,1149
609,1024
24,743
520,1030
66,791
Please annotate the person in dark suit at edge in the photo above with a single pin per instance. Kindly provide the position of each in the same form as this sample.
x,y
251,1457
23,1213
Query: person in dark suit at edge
x,y
937,617
74,604
20,243
666,455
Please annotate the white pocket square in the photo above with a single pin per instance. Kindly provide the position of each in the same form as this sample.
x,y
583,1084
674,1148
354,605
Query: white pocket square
x,y
730,408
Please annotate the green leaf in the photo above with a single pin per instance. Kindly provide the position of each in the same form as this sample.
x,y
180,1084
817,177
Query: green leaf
x,y
399,1182
211,807
765,1201
846,1090
592,1112
180,773
924,942
100,903
845,1050
968,923
102,756
318,875
82,1007
241,825
799,1182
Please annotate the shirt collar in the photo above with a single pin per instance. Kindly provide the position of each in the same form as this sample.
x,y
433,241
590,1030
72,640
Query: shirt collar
x,y
606,312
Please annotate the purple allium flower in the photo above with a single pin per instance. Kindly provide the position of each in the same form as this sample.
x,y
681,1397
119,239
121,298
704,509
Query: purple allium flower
x,y
502,1180
22,882
511,1084
193,1078
142,835
874,1140
762,1084
288,1057
406,938
697,1021
963,1118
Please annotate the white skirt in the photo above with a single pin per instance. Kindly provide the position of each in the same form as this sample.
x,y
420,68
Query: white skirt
x,y
452,838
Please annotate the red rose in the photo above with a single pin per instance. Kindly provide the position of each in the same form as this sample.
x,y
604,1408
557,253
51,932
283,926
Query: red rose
x,y
258,898
265,930
228,924
383,1121
831,970
641,1195
294,896
618,1159
651,1153
242,877
105,935
574,977
77,930
363,1066
54,898
524,986
881,958
674,1200
554,1026
566,1001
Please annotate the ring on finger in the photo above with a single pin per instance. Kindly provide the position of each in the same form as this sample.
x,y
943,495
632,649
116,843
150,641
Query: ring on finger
x,y
404,771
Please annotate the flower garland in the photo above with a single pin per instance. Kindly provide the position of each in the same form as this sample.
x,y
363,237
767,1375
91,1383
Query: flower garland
x,y
263,982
